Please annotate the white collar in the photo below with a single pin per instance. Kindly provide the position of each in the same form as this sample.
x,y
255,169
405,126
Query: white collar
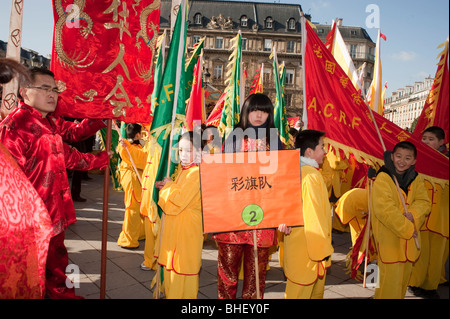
x,y
308,161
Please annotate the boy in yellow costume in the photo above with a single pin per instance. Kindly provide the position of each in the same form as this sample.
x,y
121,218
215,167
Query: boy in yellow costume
x,y
133,223
308,249
395,230
182,237
426,274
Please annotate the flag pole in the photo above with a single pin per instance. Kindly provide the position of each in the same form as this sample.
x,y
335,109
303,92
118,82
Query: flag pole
x,y
255,255
303,43
182,7
105,214
369,215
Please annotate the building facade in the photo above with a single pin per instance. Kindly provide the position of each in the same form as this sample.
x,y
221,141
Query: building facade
x,y
405,105
28,57
262,26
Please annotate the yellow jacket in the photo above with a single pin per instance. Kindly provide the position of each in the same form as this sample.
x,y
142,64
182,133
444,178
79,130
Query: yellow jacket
x,y
128,178
392,231
182,233
307,248
437,221
352,208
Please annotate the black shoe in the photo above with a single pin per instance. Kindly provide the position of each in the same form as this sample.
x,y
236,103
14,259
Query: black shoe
x,y
129,248
430,294
416,291
79,199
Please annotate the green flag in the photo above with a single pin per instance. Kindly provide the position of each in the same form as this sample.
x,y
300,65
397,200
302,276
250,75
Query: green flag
x,y
280,118
159,69
169,102
231,110
114,161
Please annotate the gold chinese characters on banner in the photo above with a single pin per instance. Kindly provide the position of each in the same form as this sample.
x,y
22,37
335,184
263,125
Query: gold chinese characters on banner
x,y
102,57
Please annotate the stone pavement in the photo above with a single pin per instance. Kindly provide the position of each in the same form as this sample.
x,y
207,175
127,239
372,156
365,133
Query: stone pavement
x,y
125,280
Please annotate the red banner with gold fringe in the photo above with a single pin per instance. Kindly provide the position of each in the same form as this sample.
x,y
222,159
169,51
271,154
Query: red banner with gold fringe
x,y
333,105
436,109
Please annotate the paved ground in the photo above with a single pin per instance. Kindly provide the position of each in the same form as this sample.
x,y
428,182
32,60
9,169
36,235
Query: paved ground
x,y
126,280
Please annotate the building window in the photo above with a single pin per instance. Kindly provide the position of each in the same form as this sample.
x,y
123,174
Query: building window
x,y
353,49
288,99
289,76
244,21
218,72
219,43
290,47
244,44
353,33
269,23
195,39
198,19
268,45
267,76
291,24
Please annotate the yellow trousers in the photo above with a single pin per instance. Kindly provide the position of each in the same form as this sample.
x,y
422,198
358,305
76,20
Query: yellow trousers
x,y
180,286
133,227
149,253
426,272
393,280
313,291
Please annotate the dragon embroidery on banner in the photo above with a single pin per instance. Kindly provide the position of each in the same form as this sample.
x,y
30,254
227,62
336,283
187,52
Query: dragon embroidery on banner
x,y
73,61
143,34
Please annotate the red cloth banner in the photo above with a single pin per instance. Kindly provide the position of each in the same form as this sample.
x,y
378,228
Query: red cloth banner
x,y
333,105
293,120
243,191
436,109
25,232
102,58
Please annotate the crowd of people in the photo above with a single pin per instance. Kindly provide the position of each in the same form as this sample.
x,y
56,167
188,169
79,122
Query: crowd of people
x,y
38,141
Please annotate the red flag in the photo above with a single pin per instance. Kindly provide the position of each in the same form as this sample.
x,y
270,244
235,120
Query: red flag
x,y
216,113
102,58
436,109
195,114
334,106
257,85
25,232
293,120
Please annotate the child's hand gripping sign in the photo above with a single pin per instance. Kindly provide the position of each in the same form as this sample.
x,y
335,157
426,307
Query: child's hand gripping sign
x,y
252,190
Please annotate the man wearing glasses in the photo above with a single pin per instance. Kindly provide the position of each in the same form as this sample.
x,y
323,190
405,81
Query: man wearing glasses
x,y
34,137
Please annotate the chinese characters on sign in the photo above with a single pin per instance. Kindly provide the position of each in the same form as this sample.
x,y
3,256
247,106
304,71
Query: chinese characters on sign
x,y
249,183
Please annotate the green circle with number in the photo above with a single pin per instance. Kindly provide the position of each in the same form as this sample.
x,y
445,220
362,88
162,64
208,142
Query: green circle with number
x,y
252,215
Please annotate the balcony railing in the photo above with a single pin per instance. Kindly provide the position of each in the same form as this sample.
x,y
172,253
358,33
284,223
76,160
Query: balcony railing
x,y
362,56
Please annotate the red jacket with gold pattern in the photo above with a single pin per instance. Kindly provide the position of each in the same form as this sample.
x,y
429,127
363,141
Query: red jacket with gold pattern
x,y
37,145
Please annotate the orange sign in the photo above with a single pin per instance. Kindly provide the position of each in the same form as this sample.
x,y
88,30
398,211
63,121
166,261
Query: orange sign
x,y
252,190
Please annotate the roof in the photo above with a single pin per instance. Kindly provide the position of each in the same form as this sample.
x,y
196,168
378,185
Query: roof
x,y
256,12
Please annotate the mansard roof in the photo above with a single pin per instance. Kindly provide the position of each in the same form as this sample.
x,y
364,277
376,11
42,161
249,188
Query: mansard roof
x,y
256,13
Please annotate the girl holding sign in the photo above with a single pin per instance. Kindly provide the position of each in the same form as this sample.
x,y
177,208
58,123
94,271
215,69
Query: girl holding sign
x,y
182,239
255,132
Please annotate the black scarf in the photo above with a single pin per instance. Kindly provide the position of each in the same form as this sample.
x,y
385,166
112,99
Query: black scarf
x,y
405,179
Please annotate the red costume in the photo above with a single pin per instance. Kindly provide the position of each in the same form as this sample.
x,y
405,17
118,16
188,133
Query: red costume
x,y
36,143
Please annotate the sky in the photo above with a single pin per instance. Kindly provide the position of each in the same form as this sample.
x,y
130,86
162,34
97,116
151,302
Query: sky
x,y
414,29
